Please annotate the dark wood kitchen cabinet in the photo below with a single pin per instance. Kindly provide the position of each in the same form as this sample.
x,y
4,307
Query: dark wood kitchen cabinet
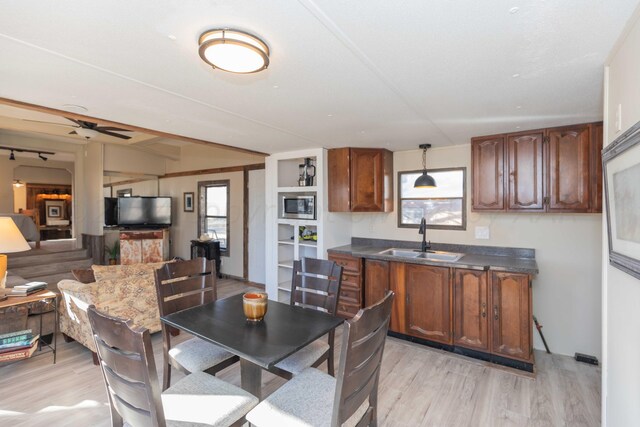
x,y
360,180
470,309
376,280
488,161
423,301
546,170
350,298
525,172
511,315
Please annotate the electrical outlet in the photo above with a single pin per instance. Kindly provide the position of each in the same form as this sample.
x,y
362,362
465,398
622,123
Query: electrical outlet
x,y
482,233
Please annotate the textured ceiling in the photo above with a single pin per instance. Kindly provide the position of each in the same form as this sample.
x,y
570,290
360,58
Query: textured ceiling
x,y
375,73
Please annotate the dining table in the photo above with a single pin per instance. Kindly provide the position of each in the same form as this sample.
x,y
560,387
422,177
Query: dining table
x,y
284,330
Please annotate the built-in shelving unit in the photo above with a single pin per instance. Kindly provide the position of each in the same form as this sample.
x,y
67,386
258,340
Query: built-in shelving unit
x,y
283,241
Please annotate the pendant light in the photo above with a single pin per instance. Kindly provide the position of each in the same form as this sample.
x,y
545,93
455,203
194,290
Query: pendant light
x,y
425,180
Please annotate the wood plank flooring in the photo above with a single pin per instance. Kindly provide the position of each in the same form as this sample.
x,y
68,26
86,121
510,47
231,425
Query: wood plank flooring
x,y
419,386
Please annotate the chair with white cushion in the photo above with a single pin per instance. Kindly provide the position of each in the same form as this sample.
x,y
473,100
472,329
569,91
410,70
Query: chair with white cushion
x,y
313,398
315,285
128,367
181,285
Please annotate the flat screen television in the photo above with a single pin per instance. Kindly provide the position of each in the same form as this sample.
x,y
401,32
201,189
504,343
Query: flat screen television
x,y
144,211
110,211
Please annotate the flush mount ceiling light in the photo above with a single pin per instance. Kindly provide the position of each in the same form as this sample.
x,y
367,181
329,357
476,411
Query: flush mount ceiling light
x,y
425,180
233,51
86,133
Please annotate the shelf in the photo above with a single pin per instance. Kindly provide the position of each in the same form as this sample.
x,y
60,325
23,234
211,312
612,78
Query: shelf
x,y
286,242
312,189
286,264
308,244
313,222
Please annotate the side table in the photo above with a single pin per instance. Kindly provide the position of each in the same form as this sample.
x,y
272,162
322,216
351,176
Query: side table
x,y
210,249
45,297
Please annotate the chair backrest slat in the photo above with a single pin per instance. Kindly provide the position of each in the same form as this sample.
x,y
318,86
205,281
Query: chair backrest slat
x,y
316,284
184,285
362,349
123,349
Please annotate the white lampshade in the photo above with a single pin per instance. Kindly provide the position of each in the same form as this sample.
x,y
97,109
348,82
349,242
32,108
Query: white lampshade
x,y
11,239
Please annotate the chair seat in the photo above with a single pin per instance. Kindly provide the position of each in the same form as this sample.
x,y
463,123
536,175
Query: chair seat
x,y
201,399
196,355
306,400
303,358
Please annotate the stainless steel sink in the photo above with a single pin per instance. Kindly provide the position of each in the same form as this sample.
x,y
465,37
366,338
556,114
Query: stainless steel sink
x,y
405,253
441,256
431,255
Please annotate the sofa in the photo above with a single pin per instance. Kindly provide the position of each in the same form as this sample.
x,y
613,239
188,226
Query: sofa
x,y
126,291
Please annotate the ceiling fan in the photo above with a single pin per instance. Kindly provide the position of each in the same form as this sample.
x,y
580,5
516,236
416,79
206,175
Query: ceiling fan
x,y
88,129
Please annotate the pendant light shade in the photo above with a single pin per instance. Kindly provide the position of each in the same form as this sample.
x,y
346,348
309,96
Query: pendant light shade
x,y
425,180
234,51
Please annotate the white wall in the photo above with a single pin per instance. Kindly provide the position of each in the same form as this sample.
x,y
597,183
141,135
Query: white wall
x,y
92,219
147,188
566,293
257,216
620,291
131,161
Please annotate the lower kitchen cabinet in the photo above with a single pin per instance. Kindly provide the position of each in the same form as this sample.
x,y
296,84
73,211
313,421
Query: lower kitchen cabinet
x,y
511,315
350,298
470,307
425,293
376,276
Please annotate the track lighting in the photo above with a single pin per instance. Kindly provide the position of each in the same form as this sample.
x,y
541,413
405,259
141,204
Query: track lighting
x,y
40,153
12,156
42,157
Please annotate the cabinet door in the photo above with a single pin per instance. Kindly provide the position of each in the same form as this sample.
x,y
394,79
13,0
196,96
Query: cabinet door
x,y
568,178
130,251
596,167
511,315
338,180
376,281
398,321
350,299
368,180
525,172
470,307
428,302
487,165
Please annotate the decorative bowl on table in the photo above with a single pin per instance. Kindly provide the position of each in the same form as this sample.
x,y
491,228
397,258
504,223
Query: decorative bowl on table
x,y
254,305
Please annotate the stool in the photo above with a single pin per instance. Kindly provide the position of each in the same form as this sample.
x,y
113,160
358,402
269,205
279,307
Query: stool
x,y
209,249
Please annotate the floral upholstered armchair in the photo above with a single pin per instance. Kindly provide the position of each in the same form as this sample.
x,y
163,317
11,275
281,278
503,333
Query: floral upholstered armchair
x,y
126,291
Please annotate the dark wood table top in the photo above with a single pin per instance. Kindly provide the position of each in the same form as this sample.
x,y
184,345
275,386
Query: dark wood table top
x,y
284,330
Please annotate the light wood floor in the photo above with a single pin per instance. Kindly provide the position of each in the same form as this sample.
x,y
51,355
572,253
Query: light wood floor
x,y
419,386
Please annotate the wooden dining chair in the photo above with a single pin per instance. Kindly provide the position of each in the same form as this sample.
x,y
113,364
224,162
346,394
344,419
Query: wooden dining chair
x,y
315,285
181,285
129,371
313,398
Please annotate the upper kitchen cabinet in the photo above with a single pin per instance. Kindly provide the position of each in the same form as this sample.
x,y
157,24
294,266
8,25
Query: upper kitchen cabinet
x,y
488,162
547,170
360,180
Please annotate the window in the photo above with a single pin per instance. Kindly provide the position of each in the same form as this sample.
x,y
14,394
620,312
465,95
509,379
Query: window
x,y
213,214
443,207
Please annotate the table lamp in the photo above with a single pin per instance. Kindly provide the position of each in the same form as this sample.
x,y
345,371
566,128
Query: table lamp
x,y
11,240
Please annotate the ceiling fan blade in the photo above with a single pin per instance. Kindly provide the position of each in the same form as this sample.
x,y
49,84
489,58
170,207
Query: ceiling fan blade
x,y
75,121
101,128
48,123
116,135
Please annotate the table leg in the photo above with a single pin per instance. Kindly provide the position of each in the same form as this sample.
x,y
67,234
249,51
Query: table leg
x,y
251,377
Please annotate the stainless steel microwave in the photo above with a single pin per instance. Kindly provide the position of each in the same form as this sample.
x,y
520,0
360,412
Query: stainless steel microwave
x,y
297,206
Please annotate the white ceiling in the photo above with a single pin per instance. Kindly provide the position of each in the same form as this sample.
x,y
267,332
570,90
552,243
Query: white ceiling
x,y
359,73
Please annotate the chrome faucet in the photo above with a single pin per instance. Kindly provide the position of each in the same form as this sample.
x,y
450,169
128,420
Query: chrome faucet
x,y
423,230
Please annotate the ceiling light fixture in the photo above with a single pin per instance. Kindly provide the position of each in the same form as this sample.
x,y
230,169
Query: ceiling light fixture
x,y
86,133
12,156
233,51
17,183
425,180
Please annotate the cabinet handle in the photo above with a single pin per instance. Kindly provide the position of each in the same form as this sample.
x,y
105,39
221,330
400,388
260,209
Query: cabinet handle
x,y
484,309
495,312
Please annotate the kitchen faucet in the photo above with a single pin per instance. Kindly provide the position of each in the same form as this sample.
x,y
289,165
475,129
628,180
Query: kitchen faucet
x,y
423,230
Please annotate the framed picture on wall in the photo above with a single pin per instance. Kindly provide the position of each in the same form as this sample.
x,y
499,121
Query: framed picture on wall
x,y
54,211
621,170
188,202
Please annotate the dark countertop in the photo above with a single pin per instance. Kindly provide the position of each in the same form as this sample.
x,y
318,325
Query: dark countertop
x,y
517,260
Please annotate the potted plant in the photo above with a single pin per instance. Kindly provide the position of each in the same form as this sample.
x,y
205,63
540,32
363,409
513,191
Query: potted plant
x,y
112,252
